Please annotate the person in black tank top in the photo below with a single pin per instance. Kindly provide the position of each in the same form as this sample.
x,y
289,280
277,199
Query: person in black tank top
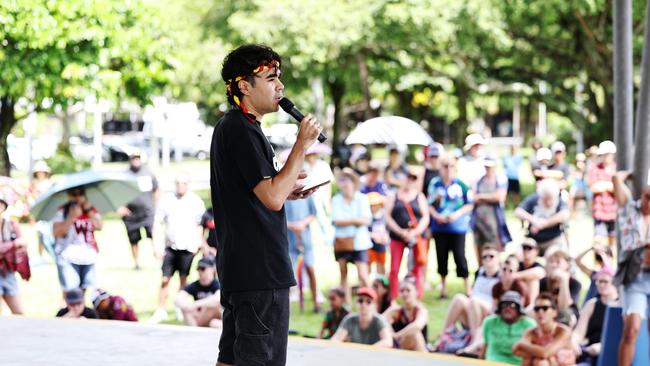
x,y
407,218
409,321
588,331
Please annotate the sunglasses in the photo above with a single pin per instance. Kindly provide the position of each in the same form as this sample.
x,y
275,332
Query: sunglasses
x,y
487,256
527,247
545,308
201,269
364,301
76,193
447,166
412,177
508,270
508,304
603,282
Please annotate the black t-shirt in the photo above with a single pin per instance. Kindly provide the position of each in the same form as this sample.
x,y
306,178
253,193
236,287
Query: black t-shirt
x,y
87,313
574,288
142,210
429,174
534,265
530,205
252,246
207,221
198,291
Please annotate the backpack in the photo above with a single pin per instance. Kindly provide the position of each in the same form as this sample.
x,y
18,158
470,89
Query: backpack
x,y
453,339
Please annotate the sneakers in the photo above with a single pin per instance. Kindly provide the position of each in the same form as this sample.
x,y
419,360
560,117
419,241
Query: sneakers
x,y
179,314
158,316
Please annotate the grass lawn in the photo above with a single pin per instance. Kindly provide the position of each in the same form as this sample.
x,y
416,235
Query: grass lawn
x,y
42,296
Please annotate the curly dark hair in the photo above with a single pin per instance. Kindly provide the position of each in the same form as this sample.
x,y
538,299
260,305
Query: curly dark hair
x,y
242,61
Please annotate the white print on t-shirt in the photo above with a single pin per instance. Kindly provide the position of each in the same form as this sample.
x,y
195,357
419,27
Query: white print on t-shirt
x,y
78,245
145,183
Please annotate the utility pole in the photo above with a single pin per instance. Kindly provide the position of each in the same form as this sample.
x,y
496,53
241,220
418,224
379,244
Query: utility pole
x,y
623,98
642,150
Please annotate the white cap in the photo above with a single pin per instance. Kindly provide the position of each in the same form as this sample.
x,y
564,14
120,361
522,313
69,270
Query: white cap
x,y
606,147
473,139
544,153
558,146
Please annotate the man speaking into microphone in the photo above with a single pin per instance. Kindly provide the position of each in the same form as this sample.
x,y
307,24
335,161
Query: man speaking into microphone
x,y
248,195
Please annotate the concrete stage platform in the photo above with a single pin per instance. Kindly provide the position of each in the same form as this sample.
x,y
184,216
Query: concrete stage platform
x,y
63,342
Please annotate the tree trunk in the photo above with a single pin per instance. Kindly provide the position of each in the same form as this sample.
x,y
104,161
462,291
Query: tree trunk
x,y
64,144
365,88
461,124
7,122
337,90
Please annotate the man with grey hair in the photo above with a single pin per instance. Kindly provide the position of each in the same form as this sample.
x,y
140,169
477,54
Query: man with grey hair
x,y
545,212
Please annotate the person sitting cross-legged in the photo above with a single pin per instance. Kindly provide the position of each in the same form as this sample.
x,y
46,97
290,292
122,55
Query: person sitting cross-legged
x,y
365,326
550,342
112,307
75,306
200,300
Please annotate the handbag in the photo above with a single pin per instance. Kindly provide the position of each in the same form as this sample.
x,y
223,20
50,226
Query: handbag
x,y
420,249
344,244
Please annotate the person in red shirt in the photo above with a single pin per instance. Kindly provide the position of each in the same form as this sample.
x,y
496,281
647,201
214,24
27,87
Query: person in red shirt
x,y
112,307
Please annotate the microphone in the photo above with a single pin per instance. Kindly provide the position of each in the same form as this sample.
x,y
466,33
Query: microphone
x,y
291,109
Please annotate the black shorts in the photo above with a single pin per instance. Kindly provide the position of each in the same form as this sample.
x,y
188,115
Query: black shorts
x,y
135,235
177,260
604,228
352,257
513,186
255,327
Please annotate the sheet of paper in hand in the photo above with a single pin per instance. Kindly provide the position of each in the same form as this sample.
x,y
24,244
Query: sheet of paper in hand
x,y
315,179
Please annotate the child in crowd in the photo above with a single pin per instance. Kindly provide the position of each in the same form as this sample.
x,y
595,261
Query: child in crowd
x,y
378,233
384,301
335,315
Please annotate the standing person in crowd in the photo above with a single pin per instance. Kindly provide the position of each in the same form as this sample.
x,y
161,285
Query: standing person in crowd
x,y
382,287
559,163
564,288
471,167
112,307
181,213
505,328
75,306
248,195
378,233
512,164
488,216
74,227
542,167
550,342
314,164
365,326
199,301
545,213
507,282
588,331
351,216
471,310
449,205
602,258
579,187
300,215
209,234
41,182
599,178
361,164
535,145
530,271
409,320
335,315
396,170
372,182
139,213
431,165
11,240
407,218
633,262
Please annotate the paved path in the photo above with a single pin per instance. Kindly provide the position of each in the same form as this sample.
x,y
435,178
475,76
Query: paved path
x,y
64,342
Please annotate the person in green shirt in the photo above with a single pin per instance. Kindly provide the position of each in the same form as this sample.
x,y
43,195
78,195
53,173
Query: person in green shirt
x,y
503,329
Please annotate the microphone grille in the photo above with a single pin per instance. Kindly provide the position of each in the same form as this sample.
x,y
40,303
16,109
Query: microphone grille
x,y
286,104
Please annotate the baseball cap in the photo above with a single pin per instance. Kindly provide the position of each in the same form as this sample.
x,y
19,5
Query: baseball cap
x,y
74,296
434,150
558,146
606,147
514,297
609,271
367,291
98,296
543,153
529,242
206,262
490,160
473,139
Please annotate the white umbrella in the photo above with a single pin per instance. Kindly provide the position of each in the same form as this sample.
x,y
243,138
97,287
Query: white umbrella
x,y
106,191
389,130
